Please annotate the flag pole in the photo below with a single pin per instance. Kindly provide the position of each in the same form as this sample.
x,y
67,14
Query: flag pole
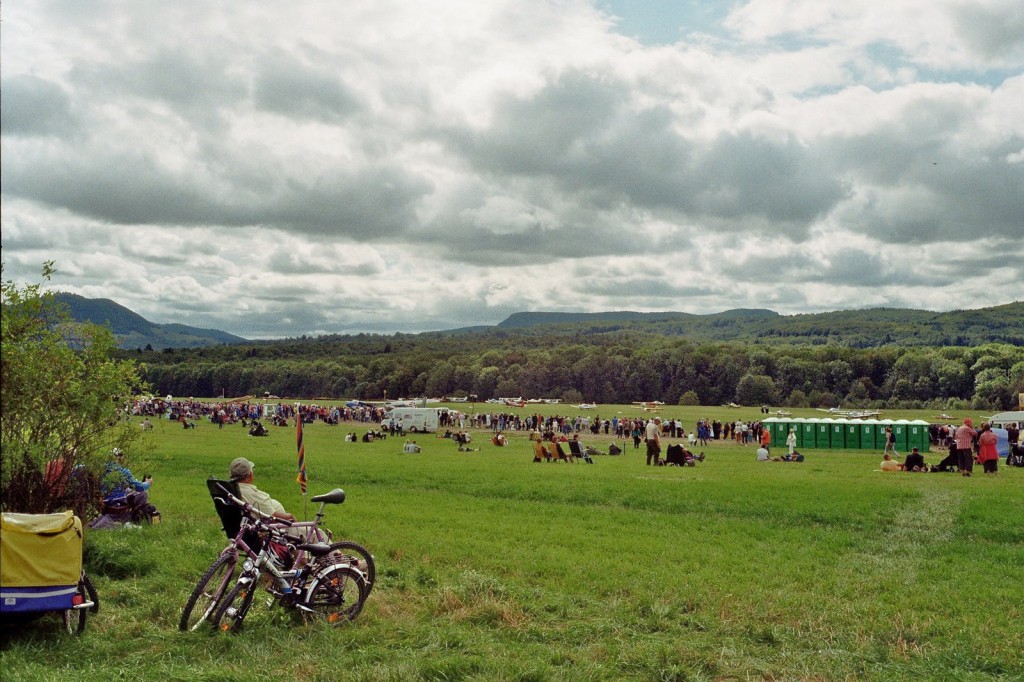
x,y
300,448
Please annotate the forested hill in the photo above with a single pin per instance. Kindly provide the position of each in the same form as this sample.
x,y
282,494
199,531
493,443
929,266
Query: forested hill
x,y
852,328
134,331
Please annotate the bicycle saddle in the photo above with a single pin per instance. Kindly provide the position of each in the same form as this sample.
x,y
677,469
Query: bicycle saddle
x,y
336,496
317,549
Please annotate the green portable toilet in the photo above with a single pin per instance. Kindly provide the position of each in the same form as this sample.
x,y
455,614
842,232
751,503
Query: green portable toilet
x,y
868,433
780,429
807,436
823,434
918,435
837,433
900,432
851,437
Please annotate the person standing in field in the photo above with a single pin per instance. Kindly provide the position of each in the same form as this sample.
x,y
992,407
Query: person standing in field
x,y
653,436
766,439
964,439
890,442
988,455
791,442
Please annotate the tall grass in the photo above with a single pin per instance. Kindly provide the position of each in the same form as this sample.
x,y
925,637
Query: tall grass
x,y
493,567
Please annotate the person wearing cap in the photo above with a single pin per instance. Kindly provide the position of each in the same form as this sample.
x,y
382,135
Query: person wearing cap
x,y
964,439
653,435
241,471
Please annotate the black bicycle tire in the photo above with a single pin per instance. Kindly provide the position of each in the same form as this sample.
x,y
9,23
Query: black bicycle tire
x,y
368,562
91,591
350,576
199,590
241,611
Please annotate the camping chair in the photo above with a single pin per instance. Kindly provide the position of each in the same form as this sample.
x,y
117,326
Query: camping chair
x,y
577,451
539,452
230,514
556,452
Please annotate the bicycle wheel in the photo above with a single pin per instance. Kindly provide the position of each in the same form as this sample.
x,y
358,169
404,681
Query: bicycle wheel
x,y
359,557
74,619
235,606
337,594
202,603
91,591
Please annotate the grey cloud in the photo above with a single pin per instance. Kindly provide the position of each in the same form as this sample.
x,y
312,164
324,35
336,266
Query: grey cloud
x,y
188,79
580,133
34,106
995,33
285,262
132,187
637,288
287,87
458,240
373,204
125,188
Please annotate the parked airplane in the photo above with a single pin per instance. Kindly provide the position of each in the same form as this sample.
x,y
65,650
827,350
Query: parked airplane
x,y
852,414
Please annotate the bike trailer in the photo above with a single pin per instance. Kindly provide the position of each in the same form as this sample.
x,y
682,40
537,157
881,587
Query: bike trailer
x,y
40,562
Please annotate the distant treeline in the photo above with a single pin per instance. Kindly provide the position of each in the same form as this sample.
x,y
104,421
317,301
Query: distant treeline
x,y
578,365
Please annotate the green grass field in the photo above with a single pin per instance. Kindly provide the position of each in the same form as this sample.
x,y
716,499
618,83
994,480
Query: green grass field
x,y
491,567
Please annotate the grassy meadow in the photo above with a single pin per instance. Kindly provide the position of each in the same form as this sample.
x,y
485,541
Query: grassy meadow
x,y
491,567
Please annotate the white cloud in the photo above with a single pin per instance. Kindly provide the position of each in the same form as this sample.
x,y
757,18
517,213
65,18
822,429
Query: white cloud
x,y
407,166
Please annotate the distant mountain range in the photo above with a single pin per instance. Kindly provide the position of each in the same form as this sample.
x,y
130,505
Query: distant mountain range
x,y
134,331
855,328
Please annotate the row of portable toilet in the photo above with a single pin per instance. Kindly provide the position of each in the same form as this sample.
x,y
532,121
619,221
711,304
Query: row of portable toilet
x,y
849,434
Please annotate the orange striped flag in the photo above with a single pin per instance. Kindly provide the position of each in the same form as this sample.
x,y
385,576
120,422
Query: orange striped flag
x,y
301,448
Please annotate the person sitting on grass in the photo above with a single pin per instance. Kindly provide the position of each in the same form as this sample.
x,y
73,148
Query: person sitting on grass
x,y
540,452
499,440
889,464
411,447
914,461
763,454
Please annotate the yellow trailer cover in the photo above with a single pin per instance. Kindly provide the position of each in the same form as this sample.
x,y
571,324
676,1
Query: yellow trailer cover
x,y
39,550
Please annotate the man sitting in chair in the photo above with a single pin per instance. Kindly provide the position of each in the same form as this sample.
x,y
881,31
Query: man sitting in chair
x,y
241,472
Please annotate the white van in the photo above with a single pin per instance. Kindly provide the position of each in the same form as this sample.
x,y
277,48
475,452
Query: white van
x,y
412,419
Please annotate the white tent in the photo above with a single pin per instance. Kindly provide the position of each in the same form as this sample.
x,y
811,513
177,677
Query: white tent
x,y
1003,418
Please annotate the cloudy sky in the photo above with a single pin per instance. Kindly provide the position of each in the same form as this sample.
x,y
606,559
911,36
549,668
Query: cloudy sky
x,y
313,167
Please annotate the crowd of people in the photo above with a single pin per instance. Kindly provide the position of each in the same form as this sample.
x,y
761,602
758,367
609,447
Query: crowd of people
x,y
965,445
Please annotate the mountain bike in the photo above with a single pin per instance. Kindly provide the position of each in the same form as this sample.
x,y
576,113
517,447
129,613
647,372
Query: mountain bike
x,y
252,534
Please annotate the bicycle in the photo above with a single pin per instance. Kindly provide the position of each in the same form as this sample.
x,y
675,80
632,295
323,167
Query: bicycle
x,y
262,540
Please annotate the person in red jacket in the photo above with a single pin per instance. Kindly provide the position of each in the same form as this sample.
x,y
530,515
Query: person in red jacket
x,y
988,455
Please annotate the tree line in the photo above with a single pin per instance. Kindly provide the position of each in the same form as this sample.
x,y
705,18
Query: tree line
x,y
617,367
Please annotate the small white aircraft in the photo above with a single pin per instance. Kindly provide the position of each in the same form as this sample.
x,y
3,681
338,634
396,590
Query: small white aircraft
x,y
586,406
852,414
